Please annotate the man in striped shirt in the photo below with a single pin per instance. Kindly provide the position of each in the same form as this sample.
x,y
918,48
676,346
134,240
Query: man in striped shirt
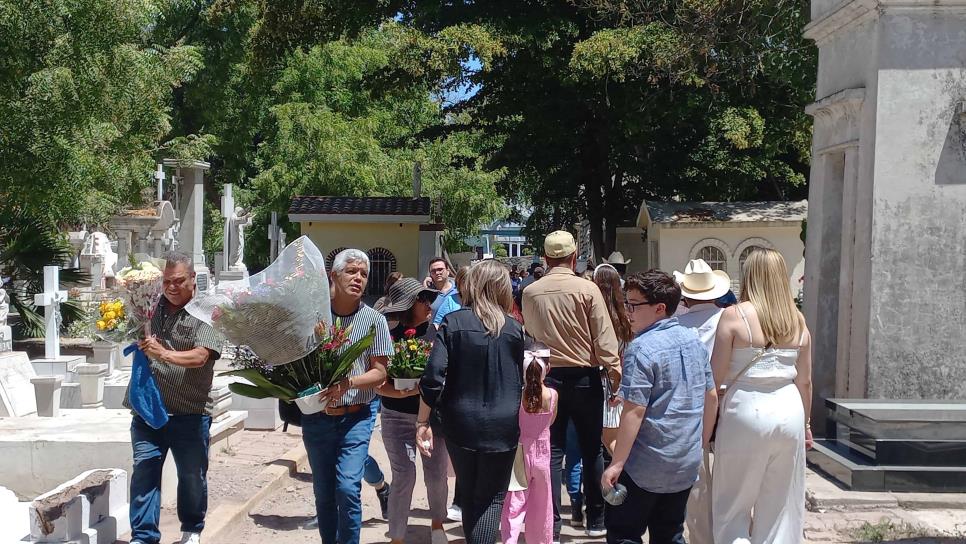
x,y
337,439
182,350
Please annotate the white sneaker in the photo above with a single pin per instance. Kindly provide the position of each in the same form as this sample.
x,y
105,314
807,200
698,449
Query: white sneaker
x,y
190,538
439,537
454,513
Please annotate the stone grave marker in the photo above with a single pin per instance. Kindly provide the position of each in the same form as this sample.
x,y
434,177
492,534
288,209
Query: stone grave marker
x,y
16,392
53,364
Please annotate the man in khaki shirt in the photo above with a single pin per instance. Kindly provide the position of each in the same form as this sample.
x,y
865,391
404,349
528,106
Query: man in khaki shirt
x,y
568,314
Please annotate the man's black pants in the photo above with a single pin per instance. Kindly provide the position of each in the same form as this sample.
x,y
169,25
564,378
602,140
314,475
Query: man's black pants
x,y
581,400
660,514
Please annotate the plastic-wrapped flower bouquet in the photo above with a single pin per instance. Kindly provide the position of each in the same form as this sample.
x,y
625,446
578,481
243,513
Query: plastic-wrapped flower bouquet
x,y
273,312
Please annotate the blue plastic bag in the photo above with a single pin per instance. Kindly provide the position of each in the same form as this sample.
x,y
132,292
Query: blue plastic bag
x,y
143,392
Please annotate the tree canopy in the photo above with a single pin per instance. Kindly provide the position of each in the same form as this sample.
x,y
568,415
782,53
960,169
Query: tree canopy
x,y
577,109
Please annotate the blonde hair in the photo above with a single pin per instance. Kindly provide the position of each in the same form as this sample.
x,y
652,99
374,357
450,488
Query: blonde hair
x,y
489,294
764,283
461,278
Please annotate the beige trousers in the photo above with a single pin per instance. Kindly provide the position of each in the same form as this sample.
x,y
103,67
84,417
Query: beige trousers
x,y
698,517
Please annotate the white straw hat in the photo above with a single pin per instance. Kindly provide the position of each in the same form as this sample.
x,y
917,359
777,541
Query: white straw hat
x,y
700,282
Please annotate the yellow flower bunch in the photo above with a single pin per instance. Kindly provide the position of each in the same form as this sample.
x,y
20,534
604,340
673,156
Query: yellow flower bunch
x,y
111,314
411,344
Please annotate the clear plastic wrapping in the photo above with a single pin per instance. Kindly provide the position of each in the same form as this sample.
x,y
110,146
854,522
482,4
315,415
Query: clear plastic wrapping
x,y
274,312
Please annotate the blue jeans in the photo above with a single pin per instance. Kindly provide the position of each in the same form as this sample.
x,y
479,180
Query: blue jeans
x,y
187,438
373,474
337,447
573,466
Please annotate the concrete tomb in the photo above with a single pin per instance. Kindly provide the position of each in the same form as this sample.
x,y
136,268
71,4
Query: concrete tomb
x,y
882,445
89,509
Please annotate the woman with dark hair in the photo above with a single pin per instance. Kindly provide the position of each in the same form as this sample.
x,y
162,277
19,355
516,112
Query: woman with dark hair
x,y
474,381
390,280
609,281
409,304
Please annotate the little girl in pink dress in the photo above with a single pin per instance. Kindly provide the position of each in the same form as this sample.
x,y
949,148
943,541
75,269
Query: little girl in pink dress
x,y
532,508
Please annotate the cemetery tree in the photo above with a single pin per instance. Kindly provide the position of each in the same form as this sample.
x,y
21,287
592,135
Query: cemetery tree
x,y
27,244
347,118
85,103
593,105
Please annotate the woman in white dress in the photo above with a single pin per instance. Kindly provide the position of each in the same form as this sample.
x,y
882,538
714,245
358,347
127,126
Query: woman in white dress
x,y
762,355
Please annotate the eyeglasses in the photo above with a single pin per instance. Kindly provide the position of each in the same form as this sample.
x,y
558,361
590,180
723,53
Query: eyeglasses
x,y
631,306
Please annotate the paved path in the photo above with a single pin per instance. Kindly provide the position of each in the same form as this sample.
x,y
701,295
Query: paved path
x,y
237,471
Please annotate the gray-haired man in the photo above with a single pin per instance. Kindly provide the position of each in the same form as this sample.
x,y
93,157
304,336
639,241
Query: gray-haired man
x,y
337,439
182,353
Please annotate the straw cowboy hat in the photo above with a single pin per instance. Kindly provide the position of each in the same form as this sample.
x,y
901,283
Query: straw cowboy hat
x,y
700,282
617,258
403,294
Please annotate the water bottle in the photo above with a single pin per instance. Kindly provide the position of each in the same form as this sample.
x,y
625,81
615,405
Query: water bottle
x,y
615,496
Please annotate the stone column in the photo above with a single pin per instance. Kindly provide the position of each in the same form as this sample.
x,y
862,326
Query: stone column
x,y
192,210
123,246
845,378
830,241
105,353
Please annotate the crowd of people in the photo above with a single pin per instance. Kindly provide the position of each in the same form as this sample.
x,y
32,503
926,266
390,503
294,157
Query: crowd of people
x,y
663,401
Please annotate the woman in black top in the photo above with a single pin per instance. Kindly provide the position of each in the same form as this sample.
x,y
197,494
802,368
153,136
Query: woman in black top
x,y
478,353
408,302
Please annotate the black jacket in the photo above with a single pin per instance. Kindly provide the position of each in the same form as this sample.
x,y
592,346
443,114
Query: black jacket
x,y
478,407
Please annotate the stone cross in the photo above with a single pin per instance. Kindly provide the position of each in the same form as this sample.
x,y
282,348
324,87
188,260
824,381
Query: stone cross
x,y
159,175
51,299
227,211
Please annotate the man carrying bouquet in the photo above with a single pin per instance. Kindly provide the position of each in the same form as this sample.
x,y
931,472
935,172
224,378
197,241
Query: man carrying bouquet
x,y
337,438
182,350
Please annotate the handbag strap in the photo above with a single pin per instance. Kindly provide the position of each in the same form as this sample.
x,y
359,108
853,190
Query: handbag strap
x,y
754,360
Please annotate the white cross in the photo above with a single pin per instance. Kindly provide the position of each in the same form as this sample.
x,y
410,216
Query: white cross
x,y
159,175
51,299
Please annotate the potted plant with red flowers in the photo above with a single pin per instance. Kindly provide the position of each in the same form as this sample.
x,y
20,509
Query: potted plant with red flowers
x,y
409,361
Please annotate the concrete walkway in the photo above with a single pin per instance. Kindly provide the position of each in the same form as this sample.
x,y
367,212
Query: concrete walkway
x,y
261,492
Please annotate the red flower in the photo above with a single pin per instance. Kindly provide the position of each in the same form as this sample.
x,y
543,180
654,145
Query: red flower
x,y
410,333
328,346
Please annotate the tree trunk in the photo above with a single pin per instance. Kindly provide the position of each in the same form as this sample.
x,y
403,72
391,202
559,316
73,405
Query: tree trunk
x,y
615,209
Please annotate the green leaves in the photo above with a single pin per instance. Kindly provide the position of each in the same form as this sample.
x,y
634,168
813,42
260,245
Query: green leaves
x,y
654,52
85,104
265,386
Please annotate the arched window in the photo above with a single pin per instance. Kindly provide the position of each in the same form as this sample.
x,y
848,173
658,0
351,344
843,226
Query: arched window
x,y
330,258
744,257
715,258
381,263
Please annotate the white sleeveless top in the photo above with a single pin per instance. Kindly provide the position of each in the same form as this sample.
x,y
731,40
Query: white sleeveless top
x,y
775,364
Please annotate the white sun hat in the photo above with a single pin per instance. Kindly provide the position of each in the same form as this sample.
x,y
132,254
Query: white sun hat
x,y
700,282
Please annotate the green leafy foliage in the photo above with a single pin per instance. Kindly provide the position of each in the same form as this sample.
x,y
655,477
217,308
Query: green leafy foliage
x,y
326,365
27,244
593,105
85,102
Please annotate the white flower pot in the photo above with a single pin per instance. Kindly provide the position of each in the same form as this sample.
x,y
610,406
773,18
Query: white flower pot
x,y
310,404
405,384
